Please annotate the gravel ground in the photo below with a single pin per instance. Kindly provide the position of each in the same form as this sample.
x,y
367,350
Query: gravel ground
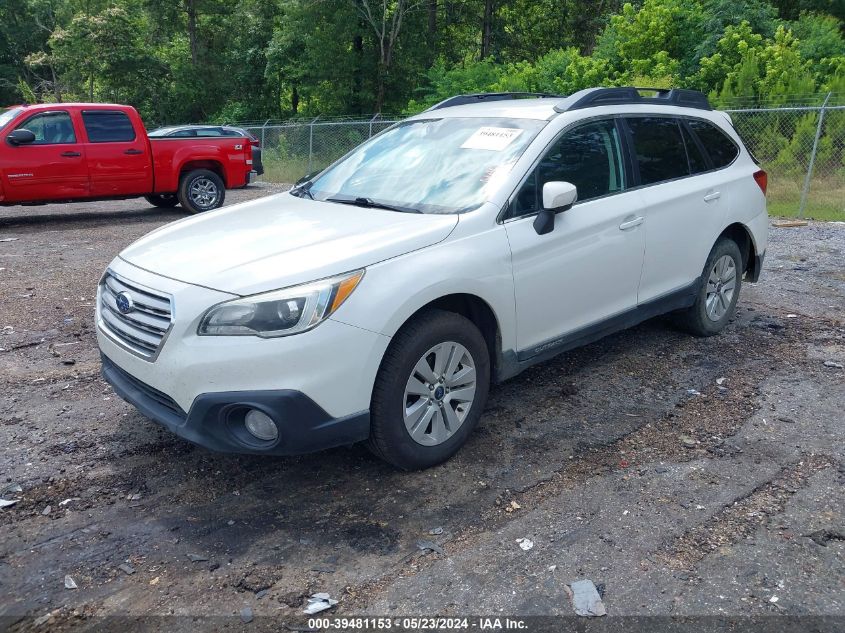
x,y
688,476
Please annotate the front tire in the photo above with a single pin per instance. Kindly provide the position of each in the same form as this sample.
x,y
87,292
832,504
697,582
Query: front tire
x,y
430,391
201,190
163,201
721,282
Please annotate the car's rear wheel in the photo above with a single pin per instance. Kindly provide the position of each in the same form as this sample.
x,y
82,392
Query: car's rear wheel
x,y
165,200
430,390
721,281
201,190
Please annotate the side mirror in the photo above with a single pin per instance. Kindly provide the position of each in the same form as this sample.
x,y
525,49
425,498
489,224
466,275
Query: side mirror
x,y
557,197
21,137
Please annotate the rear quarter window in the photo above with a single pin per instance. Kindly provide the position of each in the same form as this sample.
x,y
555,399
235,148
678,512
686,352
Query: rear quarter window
x,y
722,150
105,126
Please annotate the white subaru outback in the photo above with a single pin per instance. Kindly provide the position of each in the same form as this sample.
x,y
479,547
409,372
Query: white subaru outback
x,y
380,299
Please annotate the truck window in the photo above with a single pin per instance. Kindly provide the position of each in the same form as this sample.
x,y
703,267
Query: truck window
x,y
50,128
106,126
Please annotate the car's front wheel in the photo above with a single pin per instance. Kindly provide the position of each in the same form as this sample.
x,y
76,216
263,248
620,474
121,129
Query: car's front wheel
x,y
201,190
430,390
720,285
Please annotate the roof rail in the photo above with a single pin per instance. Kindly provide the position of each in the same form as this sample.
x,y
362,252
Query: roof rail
x,y
592,97
489,96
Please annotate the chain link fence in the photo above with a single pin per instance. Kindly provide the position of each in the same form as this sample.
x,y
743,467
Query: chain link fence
x,y
292,150
802,147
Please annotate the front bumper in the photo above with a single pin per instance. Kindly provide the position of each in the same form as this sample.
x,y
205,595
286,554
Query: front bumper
x,y
215,420
315,385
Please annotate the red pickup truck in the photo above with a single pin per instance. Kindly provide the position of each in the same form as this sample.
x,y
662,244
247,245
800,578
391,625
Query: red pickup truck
x,y
68,152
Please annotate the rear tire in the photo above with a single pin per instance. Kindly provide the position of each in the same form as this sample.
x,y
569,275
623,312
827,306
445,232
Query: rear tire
x,y
201,190
721,282
163,201
430,391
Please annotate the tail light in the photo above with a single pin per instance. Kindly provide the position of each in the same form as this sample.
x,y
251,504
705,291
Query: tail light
x,y
255,142
762,179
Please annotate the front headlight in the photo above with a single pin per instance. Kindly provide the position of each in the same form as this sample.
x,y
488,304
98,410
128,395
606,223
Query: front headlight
x,y
281,312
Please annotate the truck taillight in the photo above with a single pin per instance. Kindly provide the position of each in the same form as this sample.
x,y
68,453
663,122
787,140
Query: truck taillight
x,y
762,179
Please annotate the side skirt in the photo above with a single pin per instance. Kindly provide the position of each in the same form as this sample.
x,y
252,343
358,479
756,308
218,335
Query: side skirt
x,y
513,363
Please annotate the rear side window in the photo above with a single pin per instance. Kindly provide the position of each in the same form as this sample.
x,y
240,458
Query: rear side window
x,y
659,148
697,163
722,150
105,126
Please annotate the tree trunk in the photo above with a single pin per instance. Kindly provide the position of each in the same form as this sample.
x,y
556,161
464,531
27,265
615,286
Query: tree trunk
x,y
358,78
487,29
294,99
57,90
380,83
191,9
432,29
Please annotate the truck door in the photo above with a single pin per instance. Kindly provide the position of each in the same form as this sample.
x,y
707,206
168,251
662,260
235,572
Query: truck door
x,y
118,154
51,167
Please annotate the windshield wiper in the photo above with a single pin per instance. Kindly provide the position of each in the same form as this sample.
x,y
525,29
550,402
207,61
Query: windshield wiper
x,y
369,203
303,190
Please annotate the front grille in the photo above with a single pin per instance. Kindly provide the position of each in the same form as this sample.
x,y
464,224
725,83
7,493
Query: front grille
x,y
142,329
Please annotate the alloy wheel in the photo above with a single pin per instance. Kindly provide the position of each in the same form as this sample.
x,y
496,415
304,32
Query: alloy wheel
x,y
204,193
721,286
439,393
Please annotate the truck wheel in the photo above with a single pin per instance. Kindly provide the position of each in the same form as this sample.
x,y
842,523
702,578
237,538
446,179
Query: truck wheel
x,y
201,190
430,391
721,281
164,201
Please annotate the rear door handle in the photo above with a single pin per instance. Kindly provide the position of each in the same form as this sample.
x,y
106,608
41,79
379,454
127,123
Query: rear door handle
x,y
629,224
710,197
133,152
71,154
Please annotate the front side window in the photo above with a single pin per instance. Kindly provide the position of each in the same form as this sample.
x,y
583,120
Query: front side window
x,y
445,165
659,149
588,156
721,149
50,128
104,126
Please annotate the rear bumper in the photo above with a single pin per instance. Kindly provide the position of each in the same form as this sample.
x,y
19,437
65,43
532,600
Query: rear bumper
x,y
251,176
215,420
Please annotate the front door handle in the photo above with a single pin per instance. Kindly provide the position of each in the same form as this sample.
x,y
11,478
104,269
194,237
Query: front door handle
x,y
133,152
71,154
629,224
710,197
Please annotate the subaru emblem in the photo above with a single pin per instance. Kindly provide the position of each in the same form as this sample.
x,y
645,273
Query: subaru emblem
x,y
124,302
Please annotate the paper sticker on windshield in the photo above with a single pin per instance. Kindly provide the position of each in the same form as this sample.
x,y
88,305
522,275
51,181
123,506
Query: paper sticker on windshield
x,y
492,138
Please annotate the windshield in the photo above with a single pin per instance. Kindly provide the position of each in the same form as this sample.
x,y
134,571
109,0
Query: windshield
x,y
446,165
7,115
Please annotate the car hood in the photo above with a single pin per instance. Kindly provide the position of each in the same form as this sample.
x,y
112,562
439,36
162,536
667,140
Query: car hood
x,y
281,241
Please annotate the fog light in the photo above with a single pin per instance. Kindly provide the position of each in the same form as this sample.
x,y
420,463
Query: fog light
x,y
261,425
